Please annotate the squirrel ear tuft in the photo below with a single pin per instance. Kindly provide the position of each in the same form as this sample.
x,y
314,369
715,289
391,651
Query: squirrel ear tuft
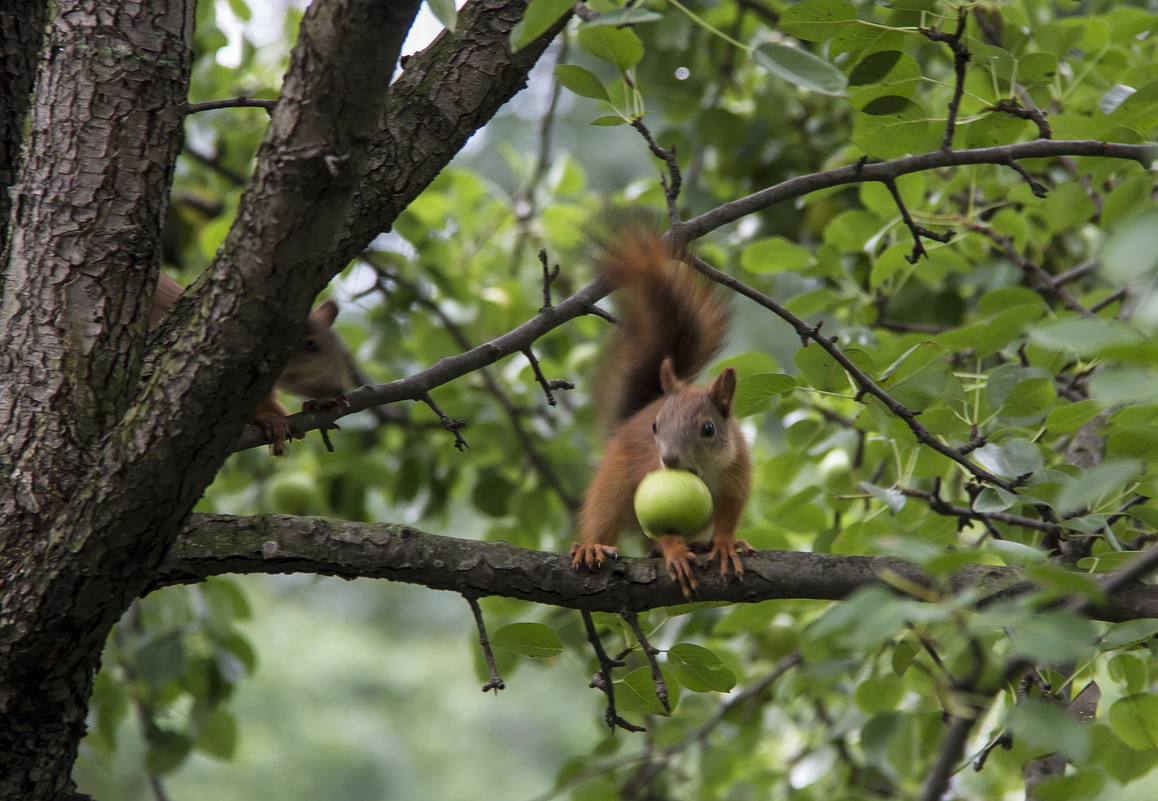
x,y
723,389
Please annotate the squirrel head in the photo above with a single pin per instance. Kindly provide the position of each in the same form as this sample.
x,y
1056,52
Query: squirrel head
x,y
693,428
318,367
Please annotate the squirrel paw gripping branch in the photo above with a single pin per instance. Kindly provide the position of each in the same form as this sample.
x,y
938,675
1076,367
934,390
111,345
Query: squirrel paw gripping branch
x,y
319,368
672,323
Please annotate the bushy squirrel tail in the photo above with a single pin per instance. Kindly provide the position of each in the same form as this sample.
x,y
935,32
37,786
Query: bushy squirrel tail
x,y
665,308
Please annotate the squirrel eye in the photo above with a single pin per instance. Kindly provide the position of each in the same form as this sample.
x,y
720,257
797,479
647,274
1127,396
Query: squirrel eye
x,y
311,346
654,428
708,429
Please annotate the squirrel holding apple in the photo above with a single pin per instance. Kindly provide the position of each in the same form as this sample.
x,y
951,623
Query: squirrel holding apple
x,y
672,323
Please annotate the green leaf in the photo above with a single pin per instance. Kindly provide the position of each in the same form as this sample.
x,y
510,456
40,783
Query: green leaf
x,y
1069,418
159,661
1135,720
879,694
890,497
1132,249
445,12
775,255
1075,786
1128,632
903,655
890,127
1031,398
632,15
699,669
1044,636
817,20
820,370
861,39
1122,385
617,46
581,82
920,377
528,639
754,393
608,121
1086,337
801,68
1015,554
636,693
1011,459
167,750
1121,762
540,16
881,74
217,735
993,499
1098,485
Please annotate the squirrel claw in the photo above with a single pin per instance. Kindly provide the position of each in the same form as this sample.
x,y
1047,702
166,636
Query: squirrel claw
x,y
277,431
680,561
725,549
591,555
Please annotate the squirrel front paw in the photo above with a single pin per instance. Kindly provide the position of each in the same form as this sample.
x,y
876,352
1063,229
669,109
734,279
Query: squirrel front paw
x,y
591,556
680,561
276,428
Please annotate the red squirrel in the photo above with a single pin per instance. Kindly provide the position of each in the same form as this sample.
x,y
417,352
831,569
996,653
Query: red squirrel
x,y
319,368
672,323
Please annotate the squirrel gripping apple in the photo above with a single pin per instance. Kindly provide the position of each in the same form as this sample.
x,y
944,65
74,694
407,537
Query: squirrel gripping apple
x,y
672,323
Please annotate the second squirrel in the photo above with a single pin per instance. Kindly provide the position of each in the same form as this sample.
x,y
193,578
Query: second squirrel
x,y
672,323
318,369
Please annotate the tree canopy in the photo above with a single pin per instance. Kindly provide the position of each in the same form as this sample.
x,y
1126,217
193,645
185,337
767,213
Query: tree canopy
x,y
939,227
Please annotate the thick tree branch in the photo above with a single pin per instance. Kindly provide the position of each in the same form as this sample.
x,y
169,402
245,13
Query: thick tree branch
x,y
690,230
444,94
216,544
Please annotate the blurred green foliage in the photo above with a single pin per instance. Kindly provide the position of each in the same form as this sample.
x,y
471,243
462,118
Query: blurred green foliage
x,y
1026,340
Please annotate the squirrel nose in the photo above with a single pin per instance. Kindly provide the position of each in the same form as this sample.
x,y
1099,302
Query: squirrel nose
x,y
671,461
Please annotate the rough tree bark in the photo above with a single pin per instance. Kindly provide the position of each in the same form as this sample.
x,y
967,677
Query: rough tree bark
x,y
96,475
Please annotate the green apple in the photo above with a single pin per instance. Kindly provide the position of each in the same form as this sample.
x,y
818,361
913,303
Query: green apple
x,y
672,502
294,492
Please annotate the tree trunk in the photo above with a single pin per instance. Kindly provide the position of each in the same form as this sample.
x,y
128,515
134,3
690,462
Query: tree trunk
x,y
97,473
89,198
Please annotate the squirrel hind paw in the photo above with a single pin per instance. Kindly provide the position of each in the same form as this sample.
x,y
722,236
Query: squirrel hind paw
x,y
591,556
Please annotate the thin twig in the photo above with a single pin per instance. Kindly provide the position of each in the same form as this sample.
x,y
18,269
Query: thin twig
x,y
864,383
549,386
453,425
602,679
671,190
648,652
1034,115
942,507
916,230
961,58
496,681
549,277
